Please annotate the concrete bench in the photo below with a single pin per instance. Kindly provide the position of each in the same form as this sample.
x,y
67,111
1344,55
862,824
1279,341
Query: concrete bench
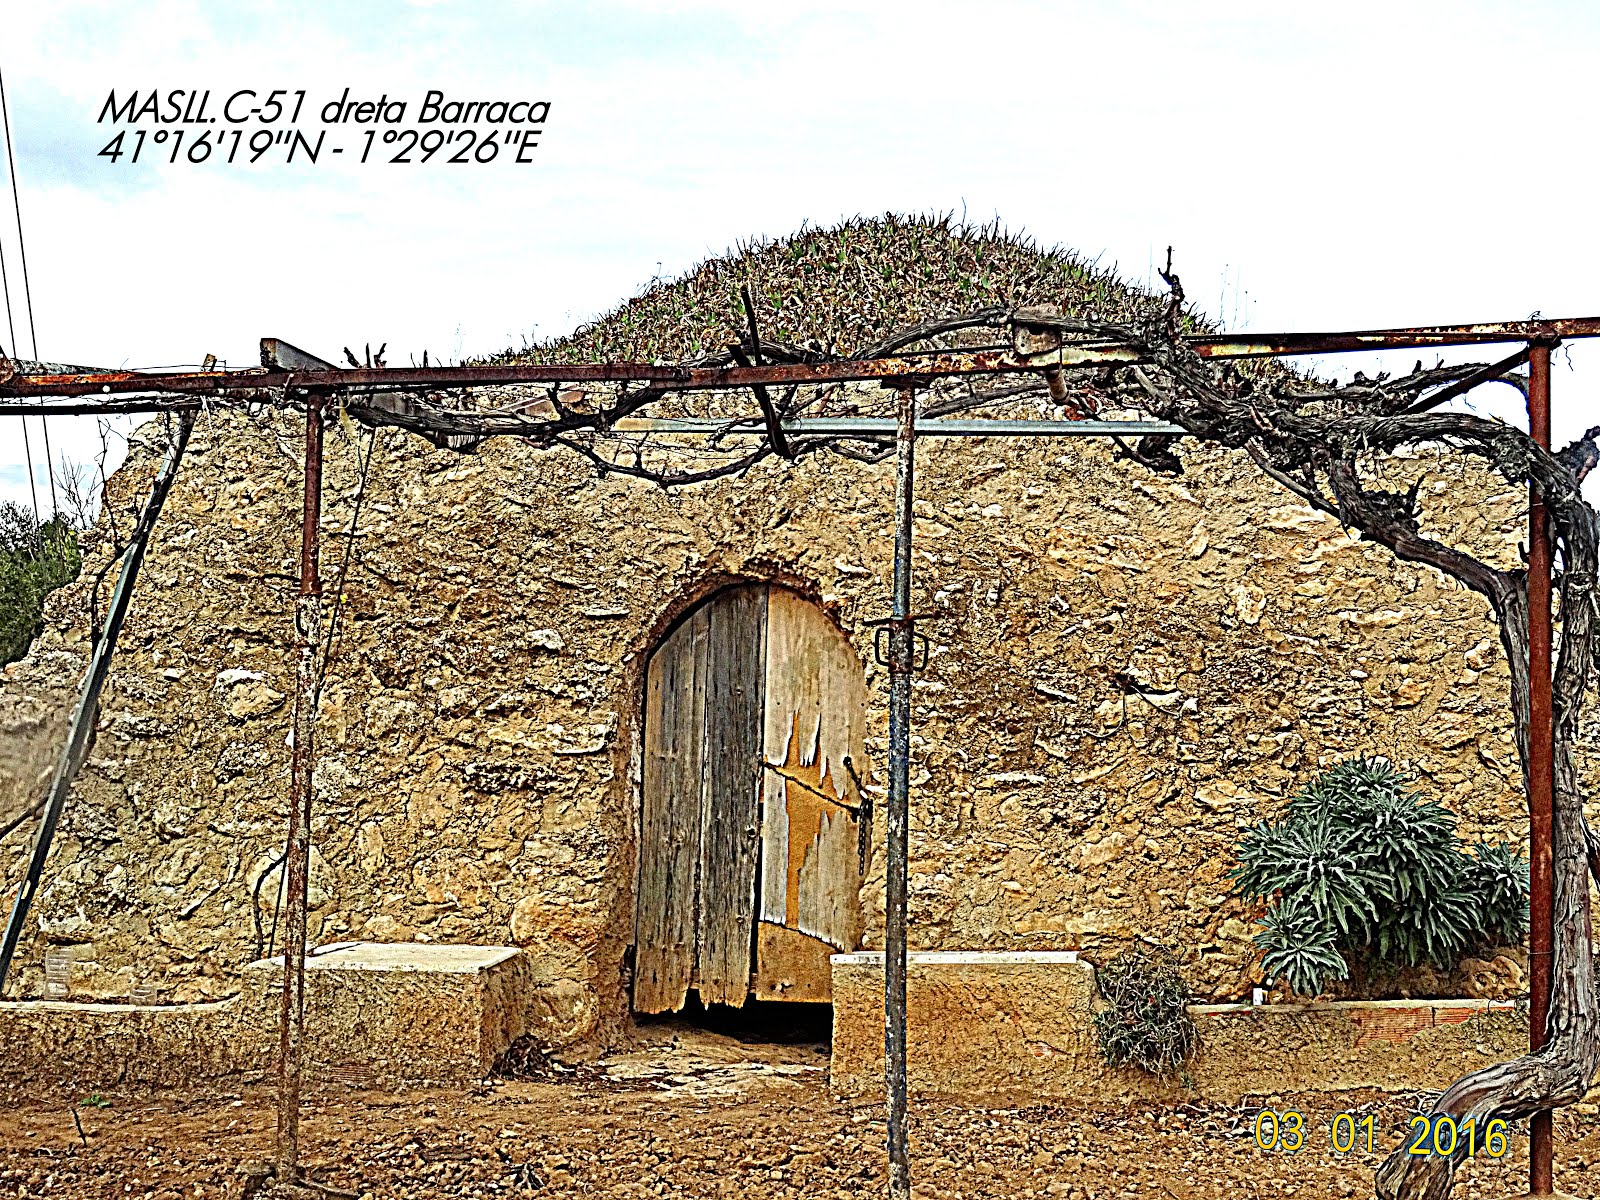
x,y
1020,1025
402,1012
376,1014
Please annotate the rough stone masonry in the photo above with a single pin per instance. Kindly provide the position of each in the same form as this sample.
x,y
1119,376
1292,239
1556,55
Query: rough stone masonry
x,y
1127,670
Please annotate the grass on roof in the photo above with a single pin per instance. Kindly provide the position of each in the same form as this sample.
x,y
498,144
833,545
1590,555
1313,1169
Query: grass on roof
x,y
842,288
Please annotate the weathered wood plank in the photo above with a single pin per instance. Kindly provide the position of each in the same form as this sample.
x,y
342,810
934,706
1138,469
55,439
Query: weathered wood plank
x,y
829,883
815,718
670,818
793,965
736,669
774,849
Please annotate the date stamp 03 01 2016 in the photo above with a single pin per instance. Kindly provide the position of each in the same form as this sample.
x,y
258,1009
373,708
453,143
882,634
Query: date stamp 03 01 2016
x,y
1436,1133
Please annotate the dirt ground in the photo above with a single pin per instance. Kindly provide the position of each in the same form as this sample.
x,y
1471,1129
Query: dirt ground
x,y
693,1113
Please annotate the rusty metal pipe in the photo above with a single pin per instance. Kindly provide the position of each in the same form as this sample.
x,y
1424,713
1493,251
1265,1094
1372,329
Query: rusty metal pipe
x,y
1541,770
297,864
902,634
925,365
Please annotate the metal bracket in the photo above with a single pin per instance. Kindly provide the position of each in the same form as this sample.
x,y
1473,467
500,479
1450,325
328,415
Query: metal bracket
x,y
280,355
883,625
916,616
880,644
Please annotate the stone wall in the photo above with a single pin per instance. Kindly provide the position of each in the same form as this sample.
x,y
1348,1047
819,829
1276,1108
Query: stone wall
x,y
1127,670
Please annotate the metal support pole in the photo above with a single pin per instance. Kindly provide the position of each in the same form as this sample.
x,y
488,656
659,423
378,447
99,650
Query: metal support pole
x,y
1541,770
902,632
80,732
297,862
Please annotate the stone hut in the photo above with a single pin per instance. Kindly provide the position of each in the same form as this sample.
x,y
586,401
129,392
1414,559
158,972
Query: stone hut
x,y
1126,671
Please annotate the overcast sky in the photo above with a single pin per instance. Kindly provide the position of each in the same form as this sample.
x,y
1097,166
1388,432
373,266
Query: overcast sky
x,y
1317,165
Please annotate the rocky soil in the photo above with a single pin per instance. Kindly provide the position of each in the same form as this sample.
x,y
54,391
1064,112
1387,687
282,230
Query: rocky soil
x,y
698,1114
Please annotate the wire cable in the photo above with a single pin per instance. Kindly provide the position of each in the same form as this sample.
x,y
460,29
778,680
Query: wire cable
x,y
16,204
331,644
27,440
27,295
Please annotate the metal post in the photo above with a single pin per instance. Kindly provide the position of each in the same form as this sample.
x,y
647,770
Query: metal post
x,y
901,637
1541,773
297,862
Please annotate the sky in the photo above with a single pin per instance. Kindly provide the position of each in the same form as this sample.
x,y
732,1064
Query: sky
x,y
1316,166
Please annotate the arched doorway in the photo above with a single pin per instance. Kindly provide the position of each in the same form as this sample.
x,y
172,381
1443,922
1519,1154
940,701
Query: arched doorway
x,y
751,844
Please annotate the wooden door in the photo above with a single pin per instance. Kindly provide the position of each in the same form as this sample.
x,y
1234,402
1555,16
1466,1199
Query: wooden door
x,y
750,858
812,854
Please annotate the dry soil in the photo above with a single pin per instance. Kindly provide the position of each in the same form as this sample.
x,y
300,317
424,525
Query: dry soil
x,y
691,1113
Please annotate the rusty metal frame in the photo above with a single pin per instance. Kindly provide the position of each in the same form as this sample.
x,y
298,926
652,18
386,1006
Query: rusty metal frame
x,y
297,850
897,820
1541,772
1040,344
17,384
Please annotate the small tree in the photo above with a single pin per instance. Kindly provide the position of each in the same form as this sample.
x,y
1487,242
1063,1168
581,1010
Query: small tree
x,y
1361,869
35,559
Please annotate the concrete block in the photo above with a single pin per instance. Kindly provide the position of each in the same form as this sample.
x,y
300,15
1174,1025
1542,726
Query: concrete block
x,y
97,1046
978,1023
1020,1026
403,1012
376,1014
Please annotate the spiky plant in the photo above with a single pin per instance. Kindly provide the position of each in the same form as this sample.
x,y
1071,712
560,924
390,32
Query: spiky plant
x,y
1359,868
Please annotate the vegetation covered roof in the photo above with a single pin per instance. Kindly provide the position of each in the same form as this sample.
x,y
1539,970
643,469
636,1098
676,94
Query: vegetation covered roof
x,y
841,288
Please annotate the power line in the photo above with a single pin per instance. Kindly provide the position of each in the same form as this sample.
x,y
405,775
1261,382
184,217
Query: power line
x,y
16,204
27,441
27,294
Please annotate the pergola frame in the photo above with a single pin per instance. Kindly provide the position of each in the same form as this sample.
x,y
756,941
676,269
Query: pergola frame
x,y
1043,346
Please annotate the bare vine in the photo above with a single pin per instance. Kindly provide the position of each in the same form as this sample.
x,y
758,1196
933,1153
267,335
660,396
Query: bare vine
x,y
1324,442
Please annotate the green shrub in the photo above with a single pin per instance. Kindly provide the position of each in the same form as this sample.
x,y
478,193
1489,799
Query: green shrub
x,y
35,559
1359,869
1146,1023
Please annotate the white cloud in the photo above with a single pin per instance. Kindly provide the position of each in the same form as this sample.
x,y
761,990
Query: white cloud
x,y
1344,167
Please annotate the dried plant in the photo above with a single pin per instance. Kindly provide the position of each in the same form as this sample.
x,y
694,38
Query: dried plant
x,y
1145,1022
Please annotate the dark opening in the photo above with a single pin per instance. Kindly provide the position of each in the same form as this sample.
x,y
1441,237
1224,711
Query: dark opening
x,y
759,1022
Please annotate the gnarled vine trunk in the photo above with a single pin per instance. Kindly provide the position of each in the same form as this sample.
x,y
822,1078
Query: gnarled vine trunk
x,y
1313,439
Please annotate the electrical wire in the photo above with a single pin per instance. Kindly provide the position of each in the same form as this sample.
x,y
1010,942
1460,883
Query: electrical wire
x,y
27,295
264,946
27,440
331,643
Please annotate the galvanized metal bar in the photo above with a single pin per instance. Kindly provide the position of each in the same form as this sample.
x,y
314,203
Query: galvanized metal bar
x,y
886,428
80,730
902,634
889,368
1541,771
297,862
